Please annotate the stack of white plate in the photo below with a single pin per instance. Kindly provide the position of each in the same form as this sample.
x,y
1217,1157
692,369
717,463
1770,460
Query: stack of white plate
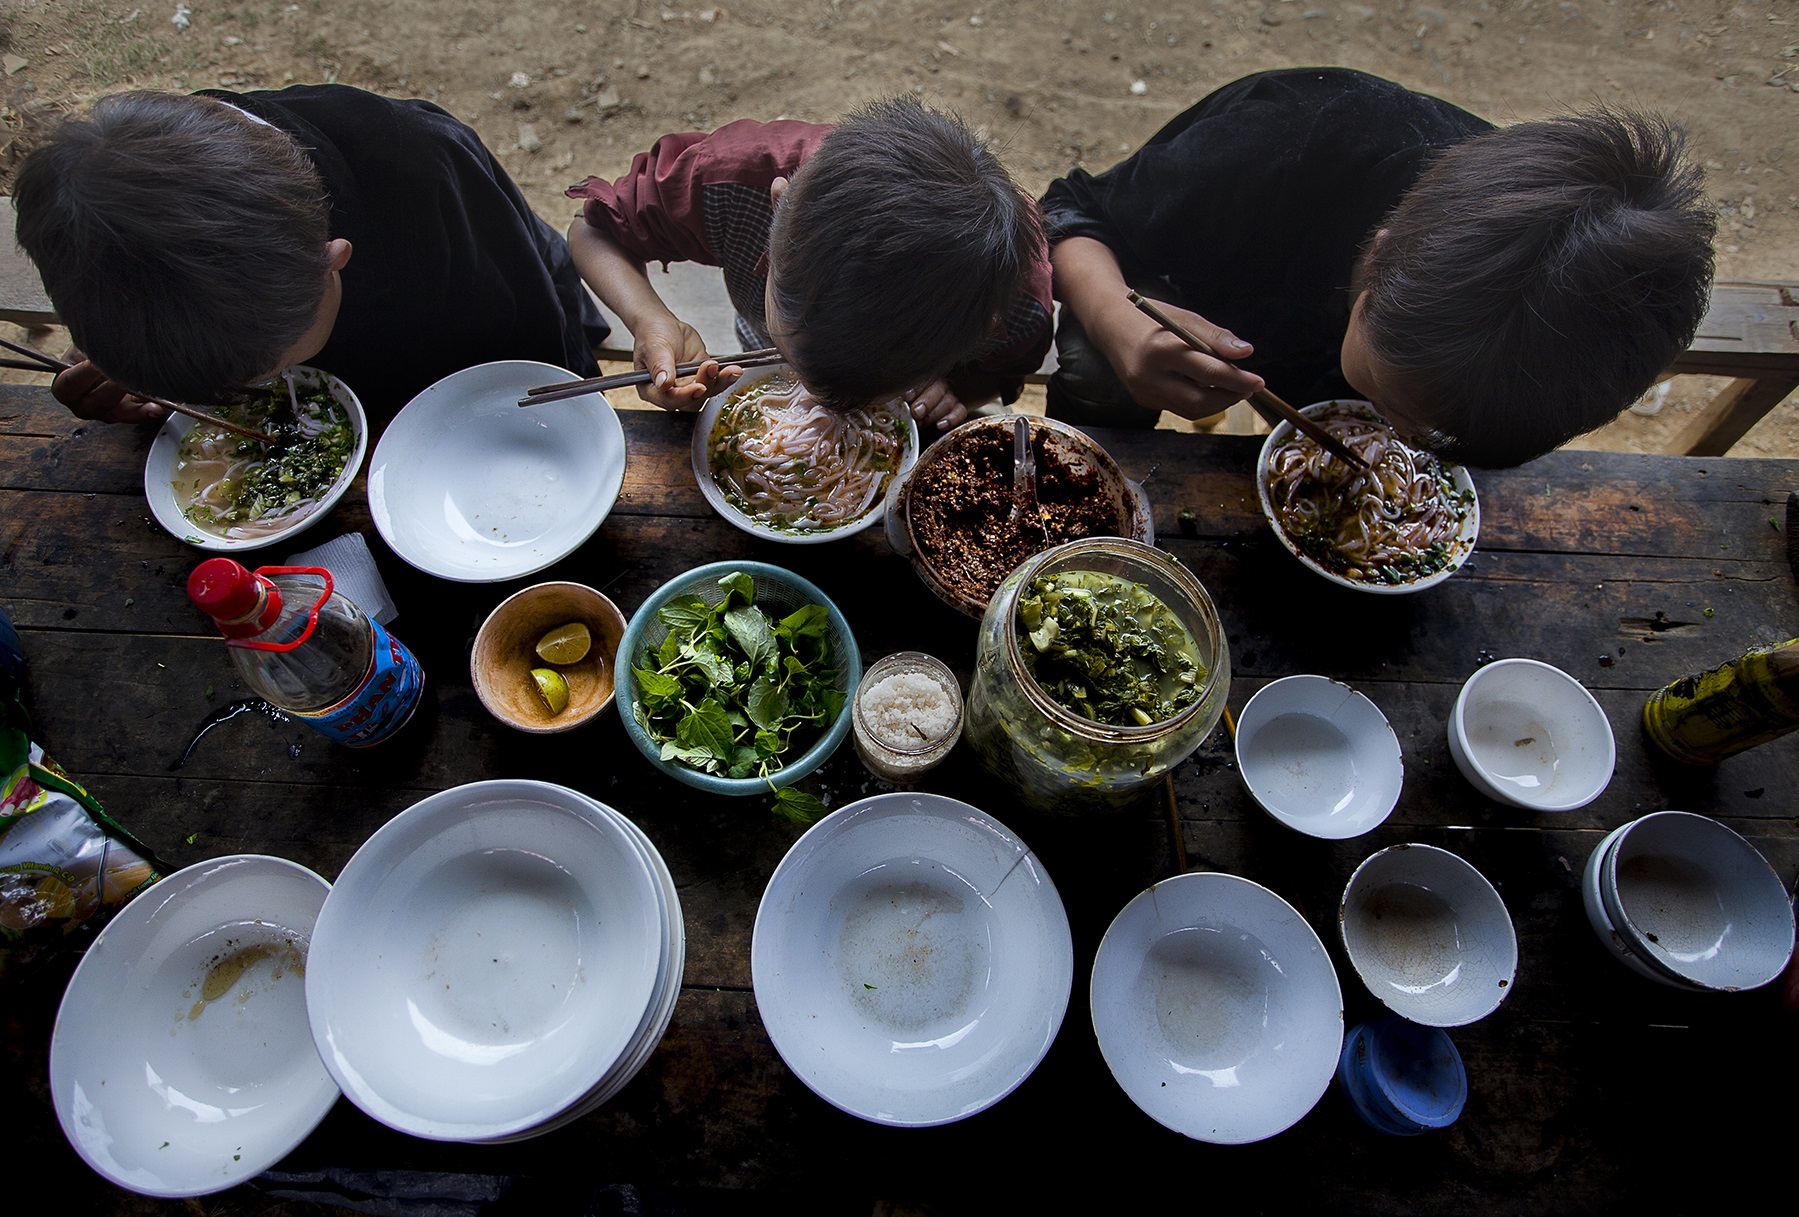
x,y
497,961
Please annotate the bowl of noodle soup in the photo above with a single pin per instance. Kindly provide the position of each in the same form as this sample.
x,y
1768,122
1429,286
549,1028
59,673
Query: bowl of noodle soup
x,y
1407,524
777,464
222,493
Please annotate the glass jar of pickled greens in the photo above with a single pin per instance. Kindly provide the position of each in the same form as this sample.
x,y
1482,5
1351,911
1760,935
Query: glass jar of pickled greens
x,y
1100,666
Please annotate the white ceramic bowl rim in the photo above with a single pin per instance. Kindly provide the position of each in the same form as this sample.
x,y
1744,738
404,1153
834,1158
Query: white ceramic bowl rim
x,y
181,1063
1217,1008
1465,538
1600,918
1319,756
485,960
1429,935
912,961
1538,719
467,485
1698,900
159,466
702,471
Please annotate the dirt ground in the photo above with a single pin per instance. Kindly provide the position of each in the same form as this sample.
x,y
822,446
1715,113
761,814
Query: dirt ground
x,y
562,89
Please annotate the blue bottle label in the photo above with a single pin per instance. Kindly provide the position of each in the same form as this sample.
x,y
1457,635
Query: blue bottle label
x,y
382,704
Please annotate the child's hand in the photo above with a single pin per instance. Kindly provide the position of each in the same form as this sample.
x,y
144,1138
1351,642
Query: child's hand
x,y
1161,371
937,404
86,391
660,348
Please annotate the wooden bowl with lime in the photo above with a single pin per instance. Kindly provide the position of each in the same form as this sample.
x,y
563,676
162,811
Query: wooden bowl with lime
x,y
543,659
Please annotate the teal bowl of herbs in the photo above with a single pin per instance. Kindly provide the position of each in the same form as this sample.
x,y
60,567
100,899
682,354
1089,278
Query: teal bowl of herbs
x,y
736,677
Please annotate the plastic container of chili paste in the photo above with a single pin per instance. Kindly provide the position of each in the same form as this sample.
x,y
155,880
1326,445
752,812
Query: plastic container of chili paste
x,y
1068,743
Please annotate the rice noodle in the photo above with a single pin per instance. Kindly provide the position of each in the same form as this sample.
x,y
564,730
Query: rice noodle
x,y
240,488
1396,523
794,465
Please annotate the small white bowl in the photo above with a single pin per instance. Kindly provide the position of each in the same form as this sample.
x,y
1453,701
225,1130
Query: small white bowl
x,y
1217,1008
1530,735
181,1063
1698,901
1460,547
1428,935
485,959
1319,757
165,453
707,420
911,959
468,485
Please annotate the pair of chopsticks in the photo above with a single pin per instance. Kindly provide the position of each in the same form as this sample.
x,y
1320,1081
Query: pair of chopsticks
x,y
1267,404
37,361
623,380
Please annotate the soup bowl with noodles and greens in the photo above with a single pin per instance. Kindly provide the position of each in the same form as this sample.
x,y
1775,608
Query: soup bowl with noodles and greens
x,y
218,491
1406,524
772,460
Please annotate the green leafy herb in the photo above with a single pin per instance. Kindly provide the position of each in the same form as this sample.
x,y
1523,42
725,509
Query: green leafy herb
x,y
733,692
792,803
1108,649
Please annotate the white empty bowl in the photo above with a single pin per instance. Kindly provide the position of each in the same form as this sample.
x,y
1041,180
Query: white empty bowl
x,y
1530,735
911,959
1319,757
1616,941
466,484
487,959
181,1063
1428,935
1217,1008
1698,901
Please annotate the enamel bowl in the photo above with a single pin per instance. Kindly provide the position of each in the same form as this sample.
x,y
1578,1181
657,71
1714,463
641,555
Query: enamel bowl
x,y
1319,757
1217,1008
1428,935
504,654
1530,735
468,485
485,960
165,455
1461,545
707,421
1697,901
181,1063
1616,942
911,959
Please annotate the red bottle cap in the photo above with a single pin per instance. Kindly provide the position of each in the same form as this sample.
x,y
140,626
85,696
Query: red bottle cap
x,y
242,603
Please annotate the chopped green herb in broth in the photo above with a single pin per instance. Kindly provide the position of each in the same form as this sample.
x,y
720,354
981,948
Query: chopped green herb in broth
x,y
1108,649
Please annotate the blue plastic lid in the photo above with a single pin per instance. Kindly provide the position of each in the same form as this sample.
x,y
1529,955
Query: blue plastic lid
x,y
1402,1078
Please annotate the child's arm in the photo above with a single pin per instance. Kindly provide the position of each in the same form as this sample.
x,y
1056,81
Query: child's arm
x,y
660,340
1158,369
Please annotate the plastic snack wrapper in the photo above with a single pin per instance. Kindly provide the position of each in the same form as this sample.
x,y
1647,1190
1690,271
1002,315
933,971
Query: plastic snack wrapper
x,y
65,865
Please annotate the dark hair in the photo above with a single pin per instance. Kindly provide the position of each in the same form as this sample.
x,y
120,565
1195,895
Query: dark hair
x,y
895,251
1537,279
182,241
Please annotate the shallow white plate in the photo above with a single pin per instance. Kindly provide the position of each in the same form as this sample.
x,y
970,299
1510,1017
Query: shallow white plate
x,y
1319,757
486,959
1460,548
702,471
466,484
912,961
181,1063
1428,935
1217,1008
165,451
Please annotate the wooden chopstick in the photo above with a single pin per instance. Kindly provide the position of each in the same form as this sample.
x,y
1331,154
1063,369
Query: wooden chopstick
x,y
1267,404
41,362
622,380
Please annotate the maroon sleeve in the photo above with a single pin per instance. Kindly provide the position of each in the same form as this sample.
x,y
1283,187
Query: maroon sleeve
x,y
658,211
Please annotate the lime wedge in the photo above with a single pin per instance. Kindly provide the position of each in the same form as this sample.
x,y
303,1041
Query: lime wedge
x,y
551,689
565,644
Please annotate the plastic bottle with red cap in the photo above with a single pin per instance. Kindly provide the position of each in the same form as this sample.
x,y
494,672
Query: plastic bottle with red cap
x,y
304,648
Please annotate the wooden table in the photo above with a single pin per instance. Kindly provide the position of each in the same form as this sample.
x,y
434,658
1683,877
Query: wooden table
x,y
1592,1089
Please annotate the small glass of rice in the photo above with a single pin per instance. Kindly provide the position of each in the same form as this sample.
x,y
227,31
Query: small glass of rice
x,y
907,715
